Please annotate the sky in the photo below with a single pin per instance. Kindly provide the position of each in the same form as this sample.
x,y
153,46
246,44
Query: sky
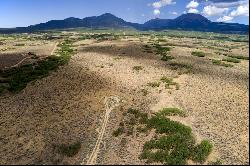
x,y
20,13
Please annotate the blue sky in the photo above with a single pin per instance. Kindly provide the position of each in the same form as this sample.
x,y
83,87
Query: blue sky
x,y
16,13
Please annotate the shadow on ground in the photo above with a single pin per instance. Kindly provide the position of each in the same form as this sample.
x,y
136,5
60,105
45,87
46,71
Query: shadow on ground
x,y
60,109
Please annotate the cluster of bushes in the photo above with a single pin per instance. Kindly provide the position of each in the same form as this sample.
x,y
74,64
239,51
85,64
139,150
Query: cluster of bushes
x,y
163,51
173,144
220,63
18,78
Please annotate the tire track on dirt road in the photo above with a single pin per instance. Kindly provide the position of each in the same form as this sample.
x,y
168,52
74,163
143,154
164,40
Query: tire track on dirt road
x,y
110,104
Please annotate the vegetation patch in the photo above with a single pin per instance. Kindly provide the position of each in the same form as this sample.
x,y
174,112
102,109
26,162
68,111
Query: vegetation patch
x,y
202,150
19,77
69,150
137,68
239,57
119,131
171,112
220,63
20,44
181,67
167,58
161,50
169,82
233,60
198,54
145,92
154,84
173,144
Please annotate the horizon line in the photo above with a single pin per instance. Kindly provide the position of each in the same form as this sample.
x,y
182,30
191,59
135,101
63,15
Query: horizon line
x,y
122,19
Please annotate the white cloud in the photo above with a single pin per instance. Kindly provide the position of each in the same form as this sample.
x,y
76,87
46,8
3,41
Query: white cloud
x,y
192,4
159,4
174,13
162,3
214,11
157,12
227,10
191,10
230,4
225,19
240,11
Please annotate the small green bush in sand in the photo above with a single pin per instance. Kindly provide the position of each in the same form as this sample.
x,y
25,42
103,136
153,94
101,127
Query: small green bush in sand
x,y
137,68
154,84
198,54
69,150
233,60
167,58
239,57
169,82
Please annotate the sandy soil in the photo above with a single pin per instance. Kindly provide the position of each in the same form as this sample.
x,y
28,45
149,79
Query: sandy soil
x,y
68,106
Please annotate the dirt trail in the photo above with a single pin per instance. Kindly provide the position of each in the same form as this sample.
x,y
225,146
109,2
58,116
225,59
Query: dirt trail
x,y
110,104
20,62
54,49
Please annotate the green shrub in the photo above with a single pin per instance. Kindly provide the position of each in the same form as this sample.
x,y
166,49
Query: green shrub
x,y
137,68
69,150
167,58
198,54
145,92
154,84
20,44
233,60
181,67
220,63
118,132
239,57
202,150
161,50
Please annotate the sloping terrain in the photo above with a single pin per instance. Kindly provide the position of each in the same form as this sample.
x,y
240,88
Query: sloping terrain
x,y
68,106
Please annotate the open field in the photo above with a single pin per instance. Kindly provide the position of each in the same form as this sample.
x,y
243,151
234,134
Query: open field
x,y
124,97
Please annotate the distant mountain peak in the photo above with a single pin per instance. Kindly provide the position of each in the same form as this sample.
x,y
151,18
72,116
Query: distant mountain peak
x,y
189,21
107,15
192,16
71,18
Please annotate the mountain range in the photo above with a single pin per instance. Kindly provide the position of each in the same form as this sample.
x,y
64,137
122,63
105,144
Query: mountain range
x,y
190,21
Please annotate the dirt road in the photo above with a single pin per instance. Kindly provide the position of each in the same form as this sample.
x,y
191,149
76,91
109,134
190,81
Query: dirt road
x,y
110,104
